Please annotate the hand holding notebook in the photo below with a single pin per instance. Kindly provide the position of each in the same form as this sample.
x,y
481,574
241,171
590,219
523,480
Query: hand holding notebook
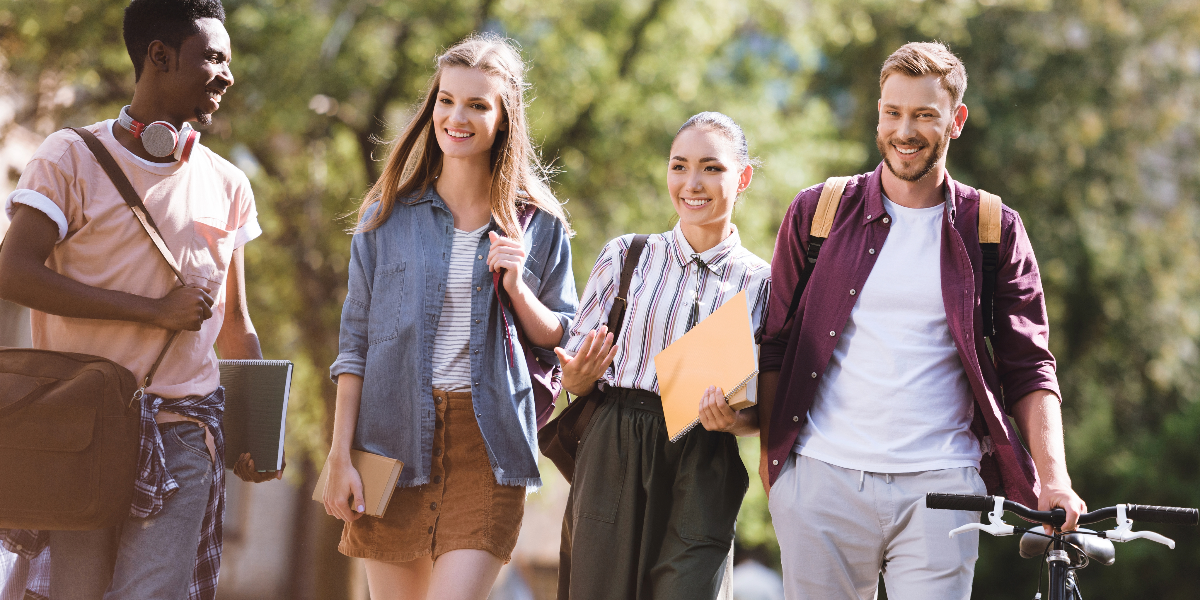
x,y
378,475
718,351
255,420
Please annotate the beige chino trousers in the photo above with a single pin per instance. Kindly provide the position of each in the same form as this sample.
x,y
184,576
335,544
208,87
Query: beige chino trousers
x,y
839,529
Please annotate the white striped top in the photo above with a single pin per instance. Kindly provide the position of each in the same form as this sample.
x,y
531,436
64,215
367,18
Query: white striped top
x,y
661,296
451,358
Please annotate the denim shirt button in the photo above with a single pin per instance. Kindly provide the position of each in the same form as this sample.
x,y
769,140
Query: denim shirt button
x,y
476,320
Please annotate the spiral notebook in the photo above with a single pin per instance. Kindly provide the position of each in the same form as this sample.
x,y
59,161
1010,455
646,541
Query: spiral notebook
x,y
718,351
256,399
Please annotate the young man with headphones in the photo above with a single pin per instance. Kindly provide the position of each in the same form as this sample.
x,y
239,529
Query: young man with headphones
x,y
97,285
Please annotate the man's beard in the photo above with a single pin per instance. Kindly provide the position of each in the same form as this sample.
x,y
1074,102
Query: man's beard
x,y
926,168
205,119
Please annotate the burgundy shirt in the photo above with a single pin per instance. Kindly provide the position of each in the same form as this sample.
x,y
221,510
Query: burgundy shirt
x,y
1023,362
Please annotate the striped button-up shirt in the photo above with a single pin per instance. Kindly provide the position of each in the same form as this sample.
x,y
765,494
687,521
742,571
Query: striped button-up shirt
x,y
664,288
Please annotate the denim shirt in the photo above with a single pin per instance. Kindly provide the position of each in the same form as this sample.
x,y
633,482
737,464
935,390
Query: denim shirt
x,y
397,281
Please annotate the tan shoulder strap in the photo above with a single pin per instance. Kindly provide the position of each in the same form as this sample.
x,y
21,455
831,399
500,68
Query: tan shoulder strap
x,y
831,196
989,218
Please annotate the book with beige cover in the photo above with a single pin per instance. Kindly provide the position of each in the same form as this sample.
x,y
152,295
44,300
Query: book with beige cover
x,y
718,351
379,475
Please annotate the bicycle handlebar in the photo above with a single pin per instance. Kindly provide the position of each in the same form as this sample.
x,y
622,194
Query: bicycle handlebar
x,y
1058,516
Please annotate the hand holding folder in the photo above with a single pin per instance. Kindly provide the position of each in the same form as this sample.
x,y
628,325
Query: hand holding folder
x,y
718,351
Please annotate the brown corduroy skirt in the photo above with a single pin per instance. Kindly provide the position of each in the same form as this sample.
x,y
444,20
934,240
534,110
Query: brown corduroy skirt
x,y
462,506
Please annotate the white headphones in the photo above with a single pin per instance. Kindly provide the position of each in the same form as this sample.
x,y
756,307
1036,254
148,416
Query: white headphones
x,y
160,138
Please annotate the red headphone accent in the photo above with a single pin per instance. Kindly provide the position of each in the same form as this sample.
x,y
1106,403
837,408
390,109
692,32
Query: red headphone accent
x,y
160,138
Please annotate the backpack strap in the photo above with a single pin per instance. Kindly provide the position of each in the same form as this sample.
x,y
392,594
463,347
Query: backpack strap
x,y
989,246
822,224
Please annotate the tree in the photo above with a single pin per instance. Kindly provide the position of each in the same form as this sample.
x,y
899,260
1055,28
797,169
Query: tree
x,y
1081,119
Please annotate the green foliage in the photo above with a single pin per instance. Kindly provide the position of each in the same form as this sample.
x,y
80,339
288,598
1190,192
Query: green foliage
x,y
1082,117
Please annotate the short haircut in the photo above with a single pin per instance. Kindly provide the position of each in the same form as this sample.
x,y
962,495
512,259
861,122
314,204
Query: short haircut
x,y
169,21
916,59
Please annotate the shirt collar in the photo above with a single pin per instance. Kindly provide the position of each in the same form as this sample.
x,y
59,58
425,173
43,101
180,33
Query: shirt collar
x,y
874,196
433,197
716,258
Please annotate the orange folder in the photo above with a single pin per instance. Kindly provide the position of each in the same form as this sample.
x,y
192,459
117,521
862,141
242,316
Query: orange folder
x,y
718,351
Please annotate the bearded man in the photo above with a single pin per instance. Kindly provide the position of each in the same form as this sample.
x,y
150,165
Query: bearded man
x,y
878,383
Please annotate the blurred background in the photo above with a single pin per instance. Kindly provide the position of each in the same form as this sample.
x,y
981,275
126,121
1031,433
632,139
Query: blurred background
x,y
1084,117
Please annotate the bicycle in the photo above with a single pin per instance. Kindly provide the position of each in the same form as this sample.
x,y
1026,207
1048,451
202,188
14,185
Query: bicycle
x,y
1086,545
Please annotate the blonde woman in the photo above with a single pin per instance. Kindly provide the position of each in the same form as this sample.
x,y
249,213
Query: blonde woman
x,y
429,369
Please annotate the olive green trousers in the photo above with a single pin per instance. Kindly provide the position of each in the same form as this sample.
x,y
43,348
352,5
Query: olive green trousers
x,y
647,518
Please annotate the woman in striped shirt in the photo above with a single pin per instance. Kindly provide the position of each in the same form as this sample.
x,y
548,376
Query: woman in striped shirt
x,y
649,518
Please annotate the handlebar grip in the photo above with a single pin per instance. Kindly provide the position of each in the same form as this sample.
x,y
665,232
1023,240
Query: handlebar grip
x,y
960,502
1163,514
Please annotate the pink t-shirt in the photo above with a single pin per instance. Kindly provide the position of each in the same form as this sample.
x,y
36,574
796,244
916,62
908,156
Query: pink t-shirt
x,y
203,207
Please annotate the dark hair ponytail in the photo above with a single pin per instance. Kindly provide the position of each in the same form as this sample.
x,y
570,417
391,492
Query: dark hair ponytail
x,y
727,127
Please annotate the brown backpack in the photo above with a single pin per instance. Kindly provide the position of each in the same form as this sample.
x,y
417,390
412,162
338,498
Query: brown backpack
x,y
69,423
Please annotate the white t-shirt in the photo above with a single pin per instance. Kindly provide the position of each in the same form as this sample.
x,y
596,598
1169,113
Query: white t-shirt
x,y
895,398
451,357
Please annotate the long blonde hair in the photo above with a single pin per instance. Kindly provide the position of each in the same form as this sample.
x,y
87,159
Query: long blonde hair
x,y
416,158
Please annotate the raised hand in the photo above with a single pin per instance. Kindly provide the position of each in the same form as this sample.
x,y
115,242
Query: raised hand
x,y
581,370
184,309
507,255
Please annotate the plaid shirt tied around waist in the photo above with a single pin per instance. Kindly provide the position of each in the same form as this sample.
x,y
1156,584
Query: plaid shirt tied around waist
x,y
154,486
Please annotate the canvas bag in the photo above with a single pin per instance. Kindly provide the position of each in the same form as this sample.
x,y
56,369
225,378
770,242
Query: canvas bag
x,y
69,422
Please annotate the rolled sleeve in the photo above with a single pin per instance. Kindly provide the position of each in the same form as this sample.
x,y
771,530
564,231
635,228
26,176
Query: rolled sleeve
x,y
557,286
41,203
247,232
1024,362
352,338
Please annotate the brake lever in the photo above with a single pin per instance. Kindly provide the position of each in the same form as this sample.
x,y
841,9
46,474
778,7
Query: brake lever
x,y
996,525
1124,531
